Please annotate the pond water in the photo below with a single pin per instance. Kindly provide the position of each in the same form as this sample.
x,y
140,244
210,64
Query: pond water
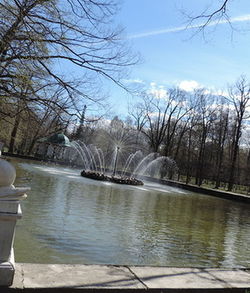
x,y
71,219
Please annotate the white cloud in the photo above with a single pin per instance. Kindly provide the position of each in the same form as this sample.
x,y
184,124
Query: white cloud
x,y
158,91
189,85
136,81
222,93
241,18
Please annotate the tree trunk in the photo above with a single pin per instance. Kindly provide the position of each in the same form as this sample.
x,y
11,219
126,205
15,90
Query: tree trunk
x,y
13,134
234,156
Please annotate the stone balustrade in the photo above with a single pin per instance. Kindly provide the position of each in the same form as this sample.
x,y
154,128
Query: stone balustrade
x,y
10,212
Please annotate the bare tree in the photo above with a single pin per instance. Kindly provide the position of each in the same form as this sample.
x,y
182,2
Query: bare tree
x,y
212,14
37,34
160,116
205,117
139,115
189,148
178,116
221,131
239,97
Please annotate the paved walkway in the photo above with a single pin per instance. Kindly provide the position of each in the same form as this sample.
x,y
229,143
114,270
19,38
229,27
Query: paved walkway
x,y
106,278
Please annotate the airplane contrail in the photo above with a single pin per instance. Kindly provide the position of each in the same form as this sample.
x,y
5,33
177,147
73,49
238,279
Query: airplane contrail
x,y
242,18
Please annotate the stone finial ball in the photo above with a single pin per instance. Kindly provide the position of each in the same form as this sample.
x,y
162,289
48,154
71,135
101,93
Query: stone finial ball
x,y
7,173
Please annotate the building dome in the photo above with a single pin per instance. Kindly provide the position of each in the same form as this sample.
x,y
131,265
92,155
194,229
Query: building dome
x,y
57,139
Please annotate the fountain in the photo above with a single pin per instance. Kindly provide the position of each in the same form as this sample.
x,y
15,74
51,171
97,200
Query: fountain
x,y
119,169
129,180
94,166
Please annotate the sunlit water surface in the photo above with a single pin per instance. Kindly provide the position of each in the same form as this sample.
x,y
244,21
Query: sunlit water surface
x,y
71,219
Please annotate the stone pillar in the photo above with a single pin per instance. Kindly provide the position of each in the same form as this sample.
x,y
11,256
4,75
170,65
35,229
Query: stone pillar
x,y
10,212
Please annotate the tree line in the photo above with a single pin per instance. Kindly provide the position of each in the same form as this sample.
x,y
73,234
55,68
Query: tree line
x,y
207,135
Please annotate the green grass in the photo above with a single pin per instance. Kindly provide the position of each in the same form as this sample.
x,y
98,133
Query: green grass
x,y
242,189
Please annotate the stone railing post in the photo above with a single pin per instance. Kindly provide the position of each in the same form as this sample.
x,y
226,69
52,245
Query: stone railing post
x,y
10,212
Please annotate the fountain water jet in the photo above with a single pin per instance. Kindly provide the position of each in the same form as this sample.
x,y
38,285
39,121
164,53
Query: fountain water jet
x,y
116,159
135,166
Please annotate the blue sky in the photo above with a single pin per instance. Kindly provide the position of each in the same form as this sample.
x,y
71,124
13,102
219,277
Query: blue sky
x,y
173,55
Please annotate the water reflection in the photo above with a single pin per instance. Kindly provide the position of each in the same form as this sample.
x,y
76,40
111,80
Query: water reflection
x,y
70,219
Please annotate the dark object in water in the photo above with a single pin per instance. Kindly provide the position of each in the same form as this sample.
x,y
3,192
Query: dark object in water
x,y
114,179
